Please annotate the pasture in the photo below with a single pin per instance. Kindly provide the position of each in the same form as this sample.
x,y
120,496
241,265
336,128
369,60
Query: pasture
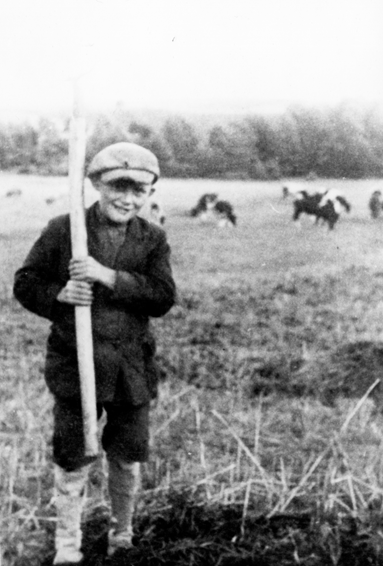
x,y
267,433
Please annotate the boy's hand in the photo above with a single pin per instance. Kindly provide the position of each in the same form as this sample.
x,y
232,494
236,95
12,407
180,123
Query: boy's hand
x,y
85,269
89,270
78,293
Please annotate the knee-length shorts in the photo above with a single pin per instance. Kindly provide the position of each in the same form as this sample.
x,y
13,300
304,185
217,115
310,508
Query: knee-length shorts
x,y
125,435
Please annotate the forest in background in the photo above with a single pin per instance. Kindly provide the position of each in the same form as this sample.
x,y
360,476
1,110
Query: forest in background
x,y
339,142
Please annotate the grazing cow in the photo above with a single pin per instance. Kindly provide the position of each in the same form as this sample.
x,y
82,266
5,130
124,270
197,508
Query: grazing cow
x,y
326,207
204,206
156,213
210,209
153,212
375,204
14,193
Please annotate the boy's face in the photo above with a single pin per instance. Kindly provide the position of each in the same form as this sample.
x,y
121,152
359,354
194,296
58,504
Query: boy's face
x,y
123,199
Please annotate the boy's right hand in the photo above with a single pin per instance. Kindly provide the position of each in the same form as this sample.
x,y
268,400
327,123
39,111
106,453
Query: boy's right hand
x,y
78,293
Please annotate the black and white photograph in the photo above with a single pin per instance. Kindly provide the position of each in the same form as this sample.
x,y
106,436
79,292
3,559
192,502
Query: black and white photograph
x,y
191,251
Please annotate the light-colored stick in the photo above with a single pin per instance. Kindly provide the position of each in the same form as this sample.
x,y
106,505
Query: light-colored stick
x,y
358,406
77,147
252,456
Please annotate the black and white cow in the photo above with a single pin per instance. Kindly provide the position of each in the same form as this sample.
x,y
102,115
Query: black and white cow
x,y
375,204
153,211
156,214
326,207
210,209
204,206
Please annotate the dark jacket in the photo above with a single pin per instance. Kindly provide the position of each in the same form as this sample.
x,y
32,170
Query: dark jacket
x,y
124,347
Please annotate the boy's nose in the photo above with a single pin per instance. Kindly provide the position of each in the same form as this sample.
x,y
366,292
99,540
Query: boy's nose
x,y
127,196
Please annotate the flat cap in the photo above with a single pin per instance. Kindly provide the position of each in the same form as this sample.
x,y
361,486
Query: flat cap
x,y
124,160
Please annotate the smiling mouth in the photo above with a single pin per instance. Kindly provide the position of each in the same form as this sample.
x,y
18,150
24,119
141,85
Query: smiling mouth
x,y
122,209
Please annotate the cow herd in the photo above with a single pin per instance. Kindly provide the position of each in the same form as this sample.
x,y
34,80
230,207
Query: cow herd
x,y
323,204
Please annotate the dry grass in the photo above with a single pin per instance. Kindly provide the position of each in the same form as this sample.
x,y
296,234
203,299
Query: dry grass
x,y
267,439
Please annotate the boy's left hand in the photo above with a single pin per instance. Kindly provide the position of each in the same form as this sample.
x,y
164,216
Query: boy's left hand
x,y
85,269
90,270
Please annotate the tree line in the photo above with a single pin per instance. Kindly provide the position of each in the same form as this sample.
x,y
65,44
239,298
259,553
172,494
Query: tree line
x,y
339,142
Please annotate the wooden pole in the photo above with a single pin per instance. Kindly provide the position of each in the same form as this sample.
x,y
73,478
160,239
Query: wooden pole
x,y
77,147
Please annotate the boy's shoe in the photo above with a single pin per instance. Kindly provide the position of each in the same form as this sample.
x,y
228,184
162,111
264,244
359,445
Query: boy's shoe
x,y
122,540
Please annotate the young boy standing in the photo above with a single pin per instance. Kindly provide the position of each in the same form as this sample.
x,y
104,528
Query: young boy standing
x,y
126,278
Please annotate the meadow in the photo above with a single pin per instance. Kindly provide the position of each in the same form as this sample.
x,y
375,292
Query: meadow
x,y
267,432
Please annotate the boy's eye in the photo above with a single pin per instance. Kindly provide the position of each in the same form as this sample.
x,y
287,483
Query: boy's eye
x,y
136,190
122,191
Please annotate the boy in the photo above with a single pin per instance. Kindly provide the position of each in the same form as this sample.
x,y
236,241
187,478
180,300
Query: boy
x,y
126,279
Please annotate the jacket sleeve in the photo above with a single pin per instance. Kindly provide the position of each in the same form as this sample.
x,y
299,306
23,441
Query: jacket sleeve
x,y
153,292
37,283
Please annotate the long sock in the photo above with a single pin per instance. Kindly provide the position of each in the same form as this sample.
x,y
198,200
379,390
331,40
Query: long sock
x,y
69,499
124,481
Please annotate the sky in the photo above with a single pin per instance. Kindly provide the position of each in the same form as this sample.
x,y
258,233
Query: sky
x,y
189,55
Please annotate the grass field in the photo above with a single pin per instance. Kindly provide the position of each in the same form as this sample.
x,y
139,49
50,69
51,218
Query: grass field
x,y
267,434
